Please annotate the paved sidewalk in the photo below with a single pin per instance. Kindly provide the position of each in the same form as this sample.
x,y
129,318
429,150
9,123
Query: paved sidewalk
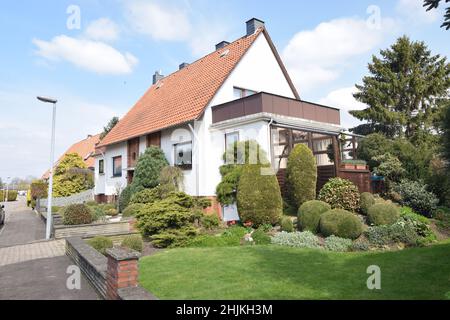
x,y
32,251
22,225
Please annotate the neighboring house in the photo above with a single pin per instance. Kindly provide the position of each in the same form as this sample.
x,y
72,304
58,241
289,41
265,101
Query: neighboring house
x,y
240,91
85,149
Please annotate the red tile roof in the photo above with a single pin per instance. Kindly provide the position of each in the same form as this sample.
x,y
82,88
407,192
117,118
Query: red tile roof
x,y
84,148
182,96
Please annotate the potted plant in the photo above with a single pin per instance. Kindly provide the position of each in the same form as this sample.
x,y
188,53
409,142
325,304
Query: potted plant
x,y
354,164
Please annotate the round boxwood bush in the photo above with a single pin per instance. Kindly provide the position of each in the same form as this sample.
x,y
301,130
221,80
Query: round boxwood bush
x,y
309,215
341,223
383,214
259,197
101,244
286,224
301,175
340,194
133,242
132,209
366,201
77,214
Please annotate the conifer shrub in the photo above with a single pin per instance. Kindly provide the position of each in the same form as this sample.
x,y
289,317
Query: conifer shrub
x,y
309,215
301,175
341,223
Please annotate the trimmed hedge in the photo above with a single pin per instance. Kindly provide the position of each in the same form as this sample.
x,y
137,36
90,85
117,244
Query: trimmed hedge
x,y
77,214
259,197
309,215
341,223
383,214
301,174
340,194
366,201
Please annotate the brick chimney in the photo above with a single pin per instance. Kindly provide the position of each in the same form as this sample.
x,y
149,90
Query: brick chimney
x,y
183,65
253,24
222,44
157,76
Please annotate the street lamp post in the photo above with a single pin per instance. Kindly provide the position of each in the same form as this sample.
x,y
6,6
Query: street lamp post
x,y
48,229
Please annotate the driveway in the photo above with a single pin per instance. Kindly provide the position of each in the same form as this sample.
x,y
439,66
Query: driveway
x,y
30,267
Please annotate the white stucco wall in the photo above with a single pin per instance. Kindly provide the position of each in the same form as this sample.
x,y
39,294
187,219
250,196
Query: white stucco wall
x,y
258,71
106,183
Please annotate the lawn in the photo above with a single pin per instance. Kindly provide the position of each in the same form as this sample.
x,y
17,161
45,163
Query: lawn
x,y
272,272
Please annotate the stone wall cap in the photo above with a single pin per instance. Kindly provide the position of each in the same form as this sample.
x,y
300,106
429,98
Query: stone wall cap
x,y
122,254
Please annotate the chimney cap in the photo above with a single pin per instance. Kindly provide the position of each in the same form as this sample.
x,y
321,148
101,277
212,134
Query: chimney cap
x,y
253,24
157,76
222,44
183,65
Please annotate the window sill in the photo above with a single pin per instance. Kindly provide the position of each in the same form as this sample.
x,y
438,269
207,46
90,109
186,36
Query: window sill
x,y
116,177
184,167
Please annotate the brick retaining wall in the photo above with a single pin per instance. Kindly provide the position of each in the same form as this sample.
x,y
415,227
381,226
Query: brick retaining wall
x,y
90,230
115,276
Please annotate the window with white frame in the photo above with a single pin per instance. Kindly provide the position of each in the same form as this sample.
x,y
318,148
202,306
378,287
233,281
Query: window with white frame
x,y
183,155
239,93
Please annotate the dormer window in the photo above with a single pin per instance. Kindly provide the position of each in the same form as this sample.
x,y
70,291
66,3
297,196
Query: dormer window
x,y
240,93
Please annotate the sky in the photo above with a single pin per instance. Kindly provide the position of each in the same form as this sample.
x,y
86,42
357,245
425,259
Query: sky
x,y
97,57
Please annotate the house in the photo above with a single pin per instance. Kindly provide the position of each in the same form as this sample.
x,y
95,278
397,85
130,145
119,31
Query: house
x,y
85,149
241,91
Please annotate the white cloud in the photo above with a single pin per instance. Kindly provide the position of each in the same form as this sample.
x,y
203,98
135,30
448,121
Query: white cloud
x,y
317,56
102,29
344,100
415,13
25,141
90,55
158,21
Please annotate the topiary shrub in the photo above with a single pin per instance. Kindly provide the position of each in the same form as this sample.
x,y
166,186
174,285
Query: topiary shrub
x,y
132,209
309,215
77,214
340,194
133,242
301,175
366,201
259,197
101,244
383,214
125,197
148,168
286,224
169,222
112,212
146,196
415,195
340,223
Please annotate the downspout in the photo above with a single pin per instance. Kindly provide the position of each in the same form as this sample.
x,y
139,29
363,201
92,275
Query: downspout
x,y
270,140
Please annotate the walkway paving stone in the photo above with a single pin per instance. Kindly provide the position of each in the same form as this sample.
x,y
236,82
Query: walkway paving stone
x,y
32,251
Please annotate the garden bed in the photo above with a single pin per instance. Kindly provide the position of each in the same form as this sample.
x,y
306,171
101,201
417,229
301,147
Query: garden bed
x,y
275,272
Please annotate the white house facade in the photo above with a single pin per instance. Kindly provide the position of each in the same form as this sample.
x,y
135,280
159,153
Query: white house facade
x,y
241,91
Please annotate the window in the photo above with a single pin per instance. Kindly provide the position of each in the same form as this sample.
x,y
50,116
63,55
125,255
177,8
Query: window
x,y
101,166
242,93
231,139
117,166
183,155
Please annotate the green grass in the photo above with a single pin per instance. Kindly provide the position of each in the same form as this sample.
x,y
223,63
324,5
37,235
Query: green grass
x,y
273,272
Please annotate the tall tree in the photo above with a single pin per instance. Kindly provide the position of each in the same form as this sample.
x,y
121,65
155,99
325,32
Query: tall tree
x,y
446,134
111,124
405,89
434,4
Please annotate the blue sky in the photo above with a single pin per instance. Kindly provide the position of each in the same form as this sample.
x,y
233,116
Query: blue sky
x,y
102,68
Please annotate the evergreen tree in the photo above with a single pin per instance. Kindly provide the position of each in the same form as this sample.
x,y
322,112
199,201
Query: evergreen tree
x,y
71,176
111,124
149,167
405,90
434,4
